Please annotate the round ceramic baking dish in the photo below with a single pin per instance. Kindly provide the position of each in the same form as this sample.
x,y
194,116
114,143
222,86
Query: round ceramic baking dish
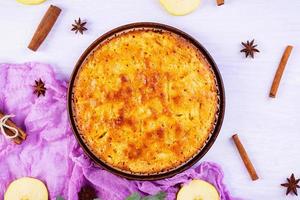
x,y
213,134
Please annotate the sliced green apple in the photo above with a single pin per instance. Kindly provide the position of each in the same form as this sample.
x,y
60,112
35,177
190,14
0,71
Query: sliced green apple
x,y
26,189
180,7
198,190
31,2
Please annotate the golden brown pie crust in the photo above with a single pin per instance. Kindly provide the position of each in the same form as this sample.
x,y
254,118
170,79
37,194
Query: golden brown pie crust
x,y
145,101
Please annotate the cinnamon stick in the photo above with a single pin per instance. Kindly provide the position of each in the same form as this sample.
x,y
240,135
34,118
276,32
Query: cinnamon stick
x,y
245,157
280,71
220,2
44,27
22,135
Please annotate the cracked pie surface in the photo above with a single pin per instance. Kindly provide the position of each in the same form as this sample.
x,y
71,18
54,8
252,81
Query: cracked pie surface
x,y
145,101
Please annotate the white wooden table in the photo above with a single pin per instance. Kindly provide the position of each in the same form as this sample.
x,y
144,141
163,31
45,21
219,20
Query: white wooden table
x,y
269,128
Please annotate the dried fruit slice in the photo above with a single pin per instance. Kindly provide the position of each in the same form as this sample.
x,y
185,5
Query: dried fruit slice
x,y
31,2
180,7
26,189
198,189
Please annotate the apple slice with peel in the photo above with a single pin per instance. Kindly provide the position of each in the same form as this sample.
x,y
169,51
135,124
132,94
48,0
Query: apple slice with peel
x,y
26,189
180,7
198,190
31,2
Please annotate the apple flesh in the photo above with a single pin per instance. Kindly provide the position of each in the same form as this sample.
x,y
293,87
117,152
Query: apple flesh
x,y
26,189
180,7
31,2
198,190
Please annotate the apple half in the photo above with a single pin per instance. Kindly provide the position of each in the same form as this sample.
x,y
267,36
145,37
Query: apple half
x,y
180,7
198,190
26,189
31,2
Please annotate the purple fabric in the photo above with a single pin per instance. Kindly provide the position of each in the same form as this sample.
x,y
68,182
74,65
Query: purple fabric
x,y
51,152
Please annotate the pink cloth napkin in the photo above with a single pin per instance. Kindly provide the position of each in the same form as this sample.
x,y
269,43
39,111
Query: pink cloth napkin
x,y
51,153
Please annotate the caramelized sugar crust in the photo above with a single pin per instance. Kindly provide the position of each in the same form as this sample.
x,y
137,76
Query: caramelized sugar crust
x,y
145,101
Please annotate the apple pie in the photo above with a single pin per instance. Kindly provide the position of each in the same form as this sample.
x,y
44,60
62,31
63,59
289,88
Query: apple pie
x,y
145,101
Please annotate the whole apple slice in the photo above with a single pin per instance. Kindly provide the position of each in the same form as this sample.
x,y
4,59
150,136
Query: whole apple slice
x,y
198,190
26,189
31,2
180,7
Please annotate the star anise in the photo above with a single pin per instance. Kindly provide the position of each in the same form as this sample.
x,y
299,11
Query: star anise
x,y
87,193
79,26
292,185
249,49
39,88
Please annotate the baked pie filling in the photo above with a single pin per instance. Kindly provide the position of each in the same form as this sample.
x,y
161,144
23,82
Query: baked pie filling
x,y
145,101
